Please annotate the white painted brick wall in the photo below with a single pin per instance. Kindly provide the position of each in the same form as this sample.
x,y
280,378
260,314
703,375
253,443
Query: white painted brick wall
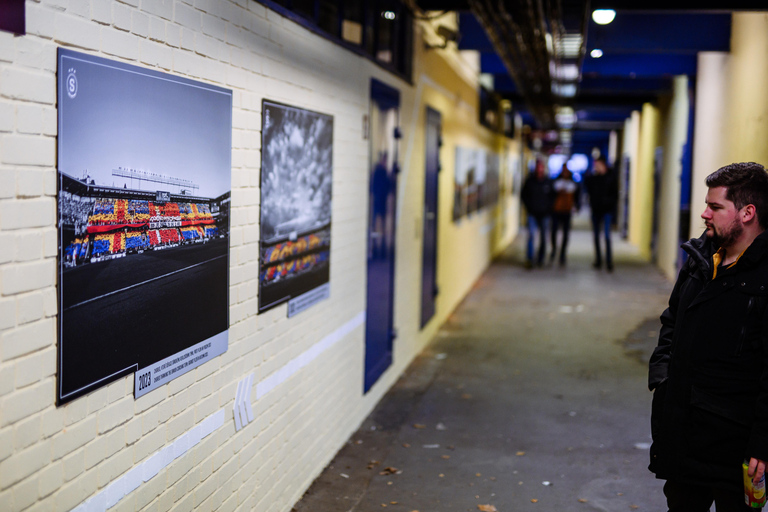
x,y
120,44
76,31
54,458
20,83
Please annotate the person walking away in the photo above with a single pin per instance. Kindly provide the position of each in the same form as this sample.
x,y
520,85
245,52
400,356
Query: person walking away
x,y
603,191
566,201
537,195
709,372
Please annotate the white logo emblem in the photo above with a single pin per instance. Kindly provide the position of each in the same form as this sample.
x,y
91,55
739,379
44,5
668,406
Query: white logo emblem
x,y
71,84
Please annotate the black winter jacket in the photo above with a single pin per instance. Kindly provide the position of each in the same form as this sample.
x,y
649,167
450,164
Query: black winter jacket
x,y
538,195
710,370
603,192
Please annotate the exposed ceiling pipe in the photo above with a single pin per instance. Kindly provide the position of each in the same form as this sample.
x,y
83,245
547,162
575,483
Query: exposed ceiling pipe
x,y
521,45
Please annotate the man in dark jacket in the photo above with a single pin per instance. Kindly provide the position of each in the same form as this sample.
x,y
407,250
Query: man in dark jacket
x,y
603,190
709,372
537,196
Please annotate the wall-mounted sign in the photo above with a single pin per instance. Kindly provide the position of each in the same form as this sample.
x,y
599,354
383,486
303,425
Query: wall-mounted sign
x,y
143,265
296,187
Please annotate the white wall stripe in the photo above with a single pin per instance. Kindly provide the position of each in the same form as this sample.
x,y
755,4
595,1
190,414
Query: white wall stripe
x,y
299,362
152,465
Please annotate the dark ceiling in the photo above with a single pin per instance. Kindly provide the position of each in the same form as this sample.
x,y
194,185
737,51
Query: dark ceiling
x,y
538,52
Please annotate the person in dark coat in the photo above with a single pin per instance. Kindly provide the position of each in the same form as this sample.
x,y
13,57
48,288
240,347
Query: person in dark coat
x,y
603,191
567,199
709,372
537,196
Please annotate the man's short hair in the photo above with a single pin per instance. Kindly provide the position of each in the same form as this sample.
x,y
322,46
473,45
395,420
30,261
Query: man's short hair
x,y
745,183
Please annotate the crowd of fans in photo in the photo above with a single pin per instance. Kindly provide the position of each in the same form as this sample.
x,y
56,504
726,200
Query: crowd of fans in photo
x,y
291,257
110,226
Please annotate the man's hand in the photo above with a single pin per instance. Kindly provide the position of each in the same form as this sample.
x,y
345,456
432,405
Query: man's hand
x,y
756,469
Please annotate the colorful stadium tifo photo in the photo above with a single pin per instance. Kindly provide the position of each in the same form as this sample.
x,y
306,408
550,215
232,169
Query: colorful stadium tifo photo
x,y
123,226
288,259
144,180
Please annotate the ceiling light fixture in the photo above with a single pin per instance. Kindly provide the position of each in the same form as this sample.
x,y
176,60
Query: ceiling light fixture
x,y
596,53
603,16
389,15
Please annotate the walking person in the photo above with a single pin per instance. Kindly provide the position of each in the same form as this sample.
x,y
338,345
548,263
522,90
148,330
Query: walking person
x,y
537,195
566,201
709,372
603,191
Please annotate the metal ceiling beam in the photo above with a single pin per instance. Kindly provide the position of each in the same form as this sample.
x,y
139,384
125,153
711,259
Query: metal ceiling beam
x,y
518,32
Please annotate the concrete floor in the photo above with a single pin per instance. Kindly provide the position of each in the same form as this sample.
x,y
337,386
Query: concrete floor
x,y
532,397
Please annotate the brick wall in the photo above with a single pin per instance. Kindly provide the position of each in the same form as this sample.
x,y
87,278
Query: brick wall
x,y
77,455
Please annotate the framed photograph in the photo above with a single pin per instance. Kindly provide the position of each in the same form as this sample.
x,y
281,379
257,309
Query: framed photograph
x,y
463,181
490,183
296,193
476,181
144,179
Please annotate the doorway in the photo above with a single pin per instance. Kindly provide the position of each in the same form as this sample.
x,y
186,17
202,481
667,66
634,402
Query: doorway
x,y
429,288
383,170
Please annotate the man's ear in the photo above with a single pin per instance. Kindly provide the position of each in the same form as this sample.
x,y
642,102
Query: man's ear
x,y
748,213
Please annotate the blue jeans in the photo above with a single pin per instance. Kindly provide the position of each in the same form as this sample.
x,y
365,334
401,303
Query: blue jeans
x,y
602,222
537,223
560,221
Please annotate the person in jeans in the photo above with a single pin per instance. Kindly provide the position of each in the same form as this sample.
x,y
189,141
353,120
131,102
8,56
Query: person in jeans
x,y
566,201
603,191
537,196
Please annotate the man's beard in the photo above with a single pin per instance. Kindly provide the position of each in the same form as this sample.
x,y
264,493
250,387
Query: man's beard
x,y
729,234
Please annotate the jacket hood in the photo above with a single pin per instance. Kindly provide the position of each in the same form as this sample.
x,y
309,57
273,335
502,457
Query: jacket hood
x,y
700,251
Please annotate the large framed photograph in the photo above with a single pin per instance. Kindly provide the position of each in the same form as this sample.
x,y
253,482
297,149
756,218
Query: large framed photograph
x,y
476,181
296,192
144,179
465,164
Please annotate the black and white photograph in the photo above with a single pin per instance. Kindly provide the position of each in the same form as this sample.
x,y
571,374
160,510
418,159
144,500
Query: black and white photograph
x,y
296,193
144,180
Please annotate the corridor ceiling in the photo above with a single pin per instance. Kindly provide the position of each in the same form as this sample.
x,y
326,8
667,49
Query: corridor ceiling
x,y
540,54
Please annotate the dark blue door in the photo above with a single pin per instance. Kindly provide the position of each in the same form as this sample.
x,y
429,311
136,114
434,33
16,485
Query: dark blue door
x,y
429,258
383,169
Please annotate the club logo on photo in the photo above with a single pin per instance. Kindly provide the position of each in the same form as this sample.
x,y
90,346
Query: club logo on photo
x,y
71,83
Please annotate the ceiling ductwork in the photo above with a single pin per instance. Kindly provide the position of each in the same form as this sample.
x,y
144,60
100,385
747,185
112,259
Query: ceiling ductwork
x,y
541,43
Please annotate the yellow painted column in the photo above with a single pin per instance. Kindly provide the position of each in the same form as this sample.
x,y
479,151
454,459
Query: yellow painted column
x,y
709,132
748,113
673,140
641,186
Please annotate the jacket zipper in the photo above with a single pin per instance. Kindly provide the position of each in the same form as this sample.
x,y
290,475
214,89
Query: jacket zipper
x,y
750,306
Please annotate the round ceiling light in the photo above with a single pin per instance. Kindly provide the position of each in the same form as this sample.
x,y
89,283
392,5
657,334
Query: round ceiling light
x,y
603,16
596,53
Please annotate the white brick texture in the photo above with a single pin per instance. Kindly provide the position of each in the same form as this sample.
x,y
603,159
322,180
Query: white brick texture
x,y
23,84
77,31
